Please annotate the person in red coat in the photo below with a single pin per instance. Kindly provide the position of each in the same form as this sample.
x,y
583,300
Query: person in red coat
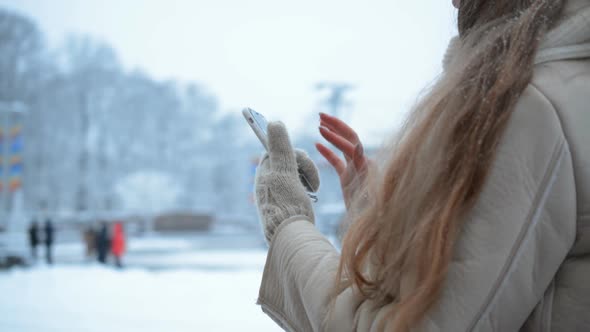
x,y
118,243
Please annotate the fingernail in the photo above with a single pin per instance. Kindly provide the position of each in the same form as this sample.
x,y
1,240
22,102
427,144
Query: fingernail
x,y
359,150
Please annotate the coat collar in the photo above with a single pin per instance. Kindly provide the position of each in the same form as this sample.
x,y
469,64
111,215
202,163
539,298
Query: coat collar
x,y
569,40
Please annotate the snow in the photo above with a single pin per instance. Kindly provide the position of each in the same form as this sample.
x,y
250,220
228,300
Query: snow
x,y
88,297
161,244
137,244
211,260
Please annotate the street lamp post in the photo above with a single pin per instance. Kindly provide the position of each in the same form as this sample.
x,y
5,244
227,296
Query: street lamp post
x,y
336,101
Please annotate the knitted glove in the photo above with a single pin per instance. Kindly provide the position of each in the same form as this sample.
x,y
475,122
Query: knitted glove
x,y
280,194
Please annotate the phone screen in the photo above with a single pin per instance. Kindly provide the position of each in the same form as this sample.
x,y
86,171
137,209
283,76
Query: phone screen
x,y
258,124
260,121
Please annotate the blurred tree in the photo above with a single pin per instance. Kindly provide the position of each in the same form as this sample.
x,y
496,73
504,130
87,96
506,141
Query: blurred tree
x,y
92,70
234,152
21,71
193,138
91,126
21,44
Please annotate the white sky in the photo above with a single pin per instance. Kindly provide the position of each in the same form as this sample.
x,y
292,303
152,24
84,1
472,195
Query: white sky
x,y
269,54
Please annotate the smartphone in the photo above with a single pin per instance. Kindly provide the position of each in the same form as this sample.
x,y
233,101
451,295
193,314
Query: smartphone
x,y
259,125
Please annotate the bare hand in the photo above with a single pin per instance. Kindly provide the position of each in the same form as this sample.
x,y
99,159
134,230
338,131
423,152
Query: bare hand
x,y
352,169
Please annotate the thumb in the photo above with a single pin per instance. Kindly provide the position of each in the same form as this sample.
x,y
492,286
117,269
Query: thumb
x,y
308,169
282,156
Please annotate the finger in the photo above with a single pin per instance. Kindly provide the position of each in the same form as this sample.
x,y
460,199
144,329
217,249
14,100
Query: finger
x,y
282,156
331,128
309,171
332,158
334,131
338,141
263,168
359,160
340,127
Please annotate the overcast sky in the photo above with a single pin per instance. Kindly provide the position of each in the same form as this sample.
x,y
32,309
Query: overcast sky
x,y
269,54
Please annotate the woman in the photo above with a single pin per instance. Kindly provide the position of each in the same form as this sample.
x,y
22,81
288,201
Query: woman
x,y
477,217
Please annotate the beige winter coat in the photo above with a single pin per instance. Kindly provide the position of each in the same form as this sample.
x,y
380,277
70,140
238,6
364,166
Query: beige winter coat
x,y
522,261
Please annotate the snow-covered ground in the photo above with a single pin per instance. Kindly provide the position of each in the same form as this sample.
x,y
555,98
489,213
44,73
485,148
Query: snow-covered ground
x,y
200,290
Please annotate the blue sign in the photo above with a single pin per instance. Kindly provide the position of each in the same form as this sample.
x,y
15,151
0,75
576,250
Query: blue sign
x,y
16,169
17,145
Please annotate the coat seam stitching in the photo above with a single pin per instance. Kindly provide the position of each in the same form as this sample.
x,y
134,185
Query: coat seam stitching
x,y
548,321
549,172
544,96
273,313
558,115
553,106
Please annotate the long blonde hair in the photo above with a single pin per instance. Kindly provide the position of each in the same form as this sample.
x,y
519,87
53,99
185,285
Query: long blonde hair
x,y
411,208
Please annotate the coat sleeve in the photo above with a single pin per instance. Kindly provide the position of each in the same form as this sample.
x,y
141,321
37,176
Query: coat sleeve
x,y
509,250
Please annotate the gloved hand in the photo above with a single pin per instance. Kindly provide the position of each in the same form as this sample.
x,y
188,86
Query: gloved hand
x,y
280,194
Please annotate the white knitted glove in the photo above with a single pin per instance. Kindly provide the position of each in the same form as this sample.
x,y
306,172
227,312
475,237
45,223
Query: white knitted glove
x,y
280,194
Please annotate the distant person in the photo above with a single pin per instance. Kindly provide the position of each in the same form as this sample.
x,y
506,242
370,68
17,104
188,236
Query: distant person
x,y
103,243
118,244
34,238
49,238
89,237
